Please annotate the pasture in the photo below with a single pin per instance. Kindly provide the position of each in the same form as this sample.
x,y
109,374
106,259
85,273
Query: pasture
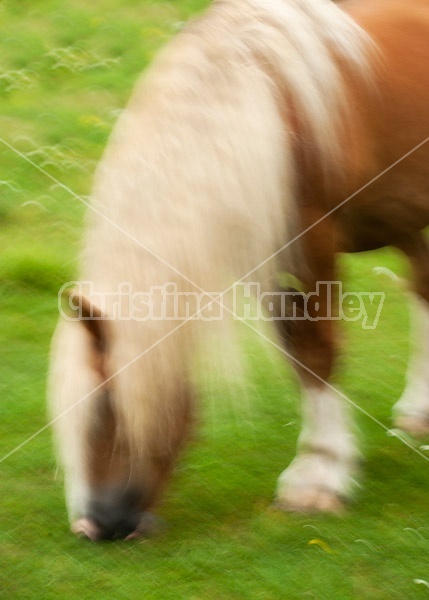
x,y
67,69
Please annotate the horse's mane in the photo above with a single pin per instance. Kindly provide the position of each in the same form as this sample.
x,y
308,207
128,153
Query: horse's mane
x,y
201,170
303,45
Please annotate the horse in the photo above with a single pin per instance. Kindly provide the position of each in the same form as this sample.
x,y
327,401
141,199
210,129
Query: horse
x,y
267,137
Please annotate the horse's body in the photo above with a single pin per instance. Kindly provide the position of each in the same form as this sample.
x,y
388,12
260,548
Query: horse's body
x,y
255,125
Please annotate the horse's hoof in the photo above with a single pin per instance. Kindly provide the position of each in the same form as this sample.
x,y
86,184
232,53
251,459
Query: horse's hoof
x,y
414,425
310,500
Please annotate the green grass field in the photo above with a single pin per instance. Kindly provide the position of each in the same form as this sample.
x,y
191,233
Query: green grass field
x,y
66,70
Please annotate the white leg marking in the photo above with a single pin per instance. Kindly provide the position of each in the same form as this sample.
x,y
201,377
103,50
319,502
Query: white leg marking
x,y
412,410
321,474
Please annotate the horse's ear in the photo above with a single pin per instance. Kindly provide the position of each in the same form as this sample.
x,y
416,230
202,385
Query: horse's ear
x,y
92,318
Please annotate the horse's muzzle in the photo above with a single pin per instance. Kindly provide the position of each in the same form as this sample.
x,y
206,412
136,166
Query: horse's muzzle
x,y
115,516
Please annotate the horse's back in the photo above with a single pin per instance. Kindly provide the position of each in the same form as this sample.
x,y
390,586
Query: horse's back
x,y
395,118
401,33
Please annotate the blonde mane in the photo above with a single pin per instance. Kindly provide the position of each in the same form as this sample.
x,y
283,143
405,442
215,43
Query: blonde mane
x,y
197,186
200,168
261,119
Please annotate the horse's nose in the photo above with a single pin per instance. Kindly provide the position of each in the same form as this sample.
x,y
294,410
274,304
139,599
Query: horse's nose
x,y
111,515
116,515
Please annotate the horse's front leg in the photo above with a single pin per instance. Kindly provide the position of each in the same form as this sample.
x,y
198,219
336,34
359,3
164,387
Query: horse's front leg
x,y
321,475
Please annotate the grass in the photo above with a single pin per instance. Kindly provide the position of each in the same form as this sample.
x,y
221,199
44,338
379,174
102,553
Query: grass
x,y
66,71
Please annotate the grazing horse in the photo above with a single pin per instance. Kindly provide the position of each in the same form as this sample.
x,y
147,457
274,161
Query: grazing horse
x,y
239,157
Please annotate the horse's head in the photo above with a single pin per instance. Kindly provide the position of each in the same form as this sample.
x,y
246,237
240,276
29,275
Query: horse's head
x,y
119,425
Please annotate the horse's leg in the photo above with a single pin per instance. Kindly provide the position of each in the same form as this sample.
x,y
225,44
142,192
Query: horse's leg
x,y
412,410
320,476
